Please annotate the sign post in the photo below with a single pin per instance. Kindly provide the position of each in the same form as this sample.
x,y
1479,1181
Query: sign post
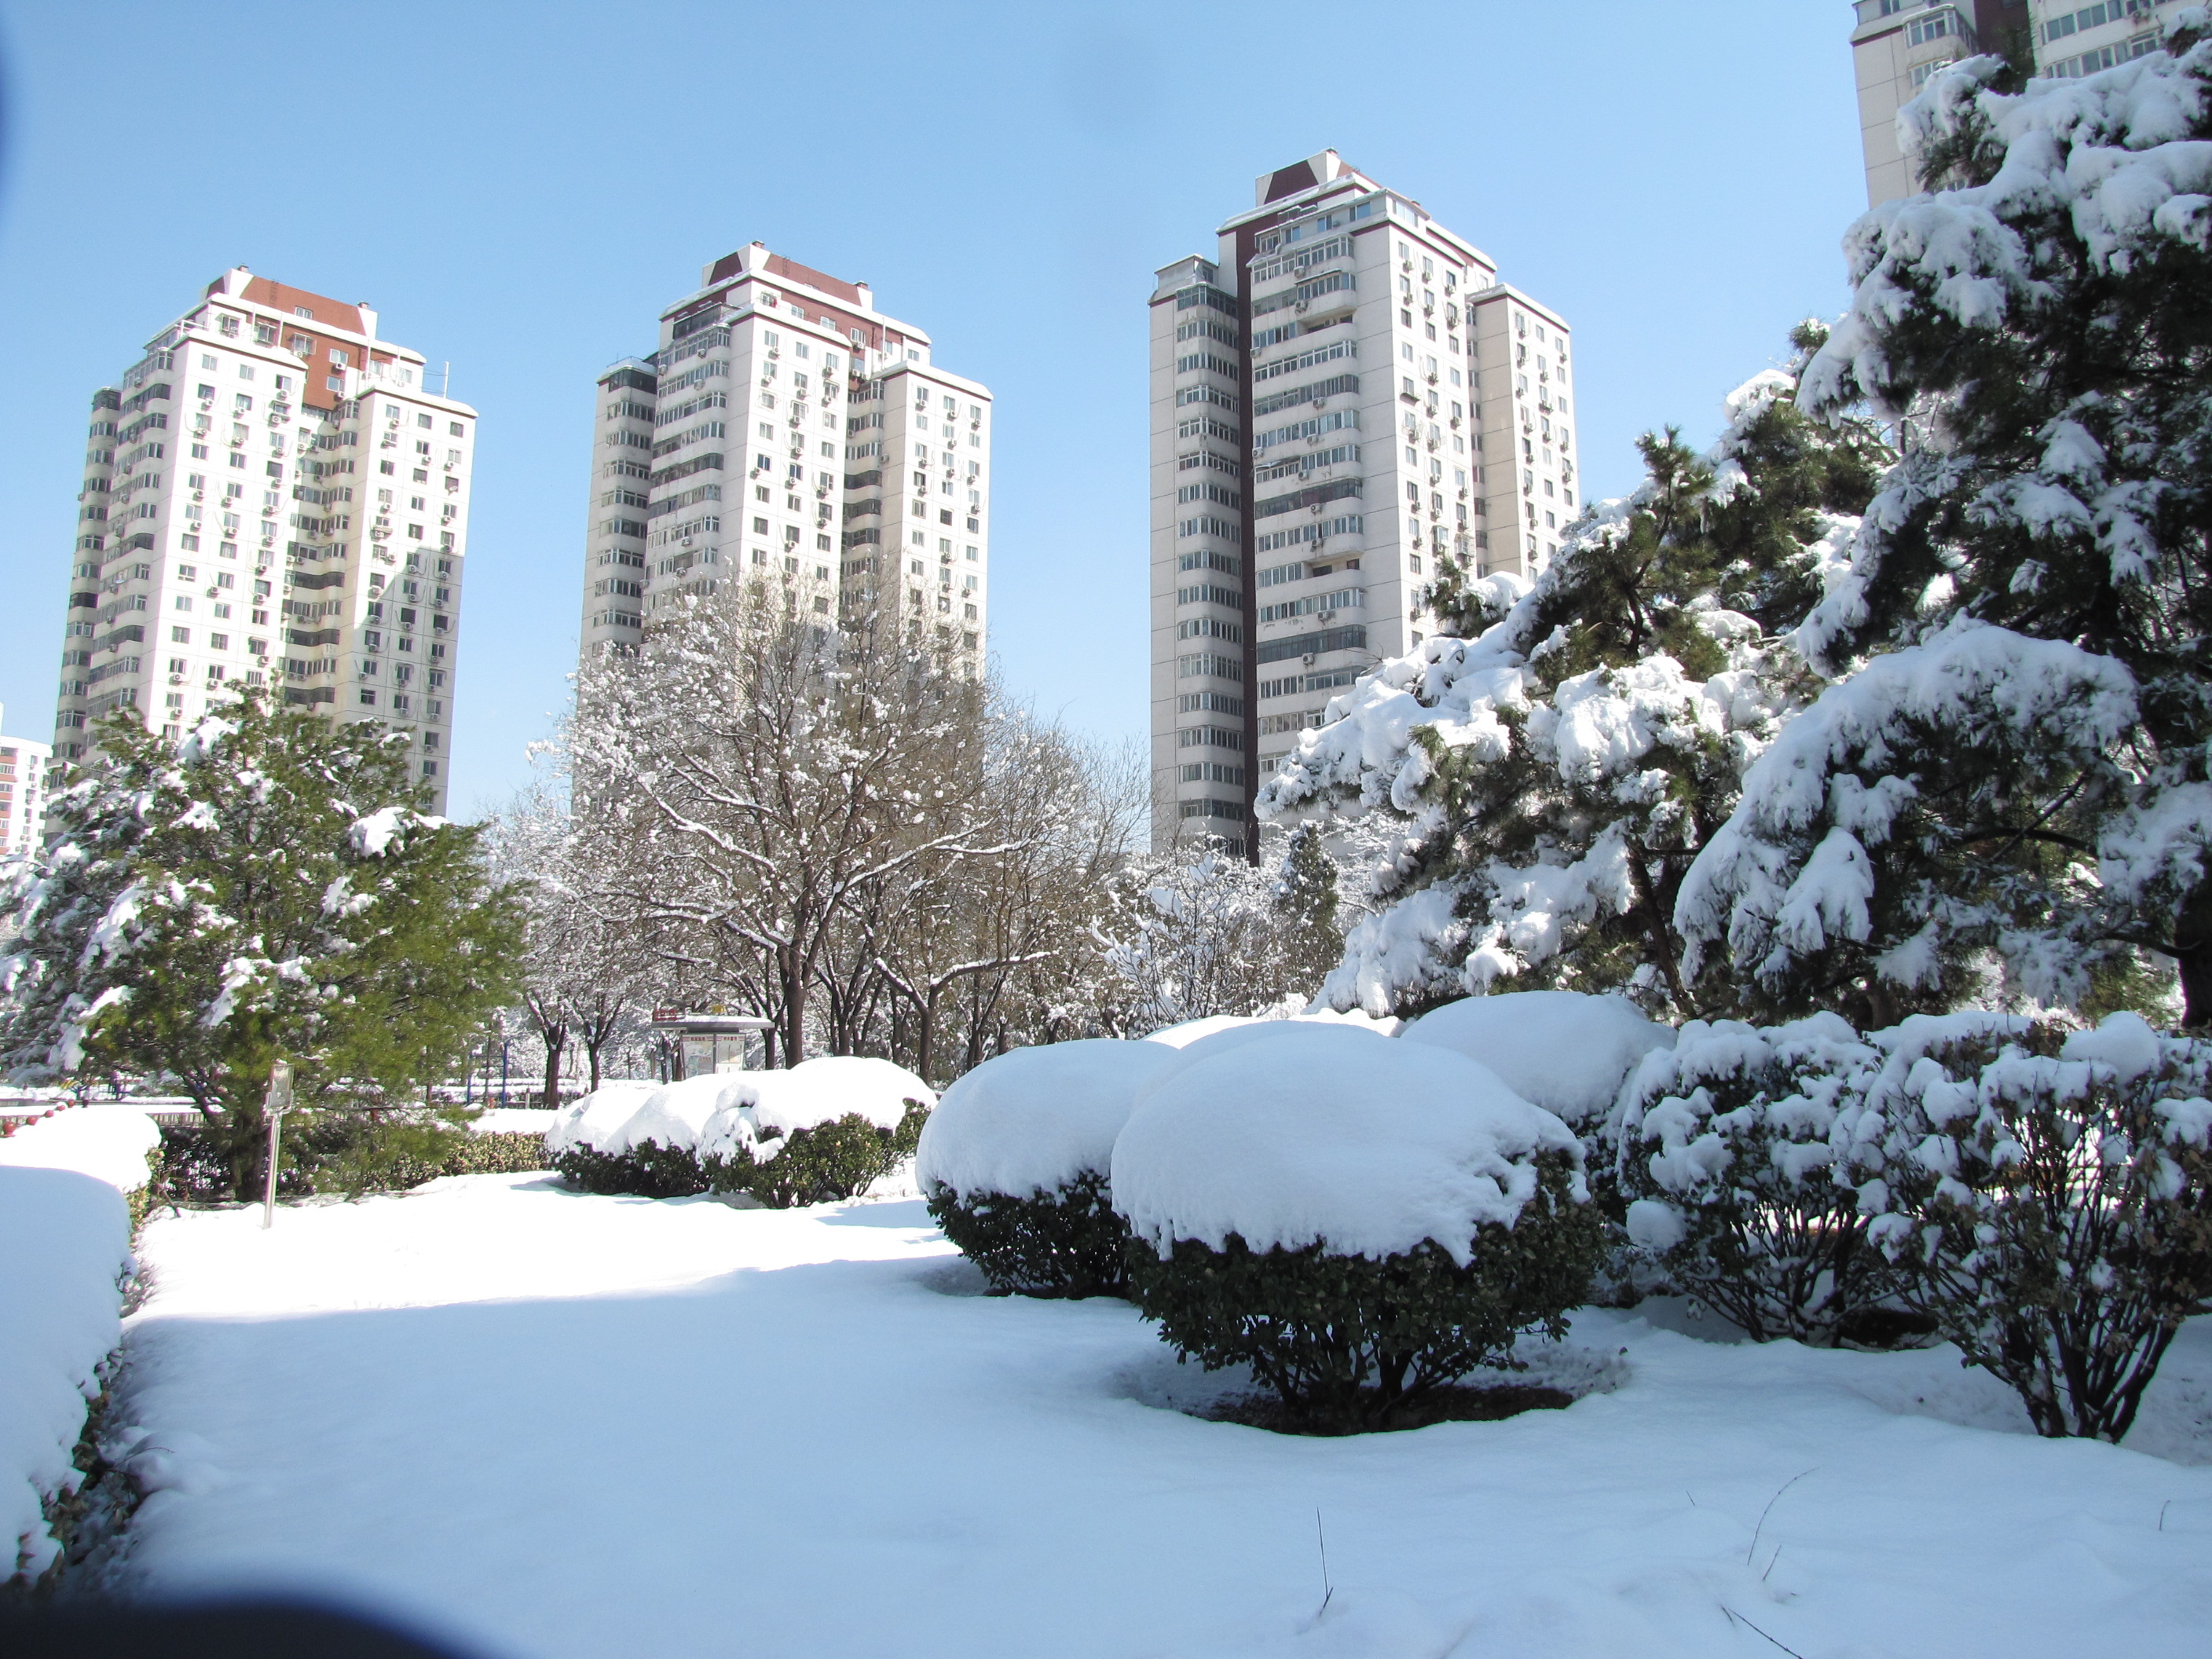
x,y
275,1104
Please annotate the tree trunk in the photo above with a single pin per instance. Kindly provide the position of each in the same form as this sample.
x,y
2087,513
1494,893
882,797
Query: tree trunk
x,y
557,1043
2192,955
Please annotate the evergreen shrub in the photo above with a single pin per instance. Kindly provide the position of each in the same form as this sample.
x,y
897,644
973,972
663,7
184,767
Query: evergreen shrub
x,y
1350,1343
347,1153
1014,1163
1358,1220
1066,1242
2048,1200
826,1164
647,1169
1738,1152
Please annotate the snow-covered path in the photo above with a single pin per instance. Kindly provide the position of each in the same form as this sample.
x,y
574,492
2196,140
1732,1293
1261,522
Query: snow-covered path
x,y
553,1424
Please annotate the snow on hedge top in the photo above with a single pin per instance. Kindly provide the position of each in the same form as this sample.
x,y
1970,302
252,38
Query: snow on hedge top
x,y
829,1086
109,1143
1567,1052
1033,1119
725,1111
588,1121
1183,1036
1194,1030
64,1237
1325,1135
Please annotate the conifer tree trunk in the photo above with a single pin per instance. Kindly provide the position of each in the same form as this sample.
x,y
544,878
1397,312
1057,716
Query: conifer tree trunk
x,y
2192,954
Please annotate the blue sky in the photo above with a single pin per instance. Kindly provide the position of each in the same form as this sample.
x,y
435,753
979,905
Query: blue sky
x,y
521,188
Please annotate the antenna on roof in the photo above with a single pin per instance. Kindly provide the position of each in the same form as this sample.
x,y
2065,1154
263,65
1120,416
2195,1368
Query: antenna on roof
x,y
445,385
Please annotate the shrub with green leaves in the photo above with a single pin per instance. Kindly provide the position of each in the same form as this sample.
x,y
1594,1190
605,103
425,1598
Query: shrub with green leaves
x,y
346,1153
649,1170
1350,1343
1014,1163
825,1164
1358,1220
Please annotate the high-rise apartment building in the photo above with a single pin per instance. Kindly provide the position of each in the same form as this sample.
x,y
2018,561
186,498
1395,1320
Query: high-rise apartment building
x,y
786,427
1896,45
22,793
272,496
1342,397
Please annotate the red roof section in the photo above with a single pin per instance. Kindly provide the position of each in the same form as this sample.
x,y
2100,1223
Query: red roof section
x,y
333,313
792,271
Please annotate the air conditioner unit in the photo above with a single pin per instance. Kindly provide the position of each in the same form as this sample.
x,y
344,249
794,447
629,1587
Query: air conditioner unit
x,y
1308,659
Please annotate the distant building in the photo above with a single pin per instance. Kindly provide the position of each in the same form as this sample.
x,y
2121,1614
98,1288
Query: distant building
x,y
22,793
1341,397
1896,45
786,427
271,496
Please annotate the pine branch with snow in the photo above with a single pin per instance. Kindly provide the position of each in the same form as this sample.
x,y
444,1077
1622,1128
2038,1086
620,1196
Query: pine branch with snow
x,y
1537,791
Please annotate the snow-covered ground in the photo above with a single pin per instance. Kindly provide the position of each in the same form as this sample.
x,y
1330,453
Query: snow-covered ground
x,y
553,1424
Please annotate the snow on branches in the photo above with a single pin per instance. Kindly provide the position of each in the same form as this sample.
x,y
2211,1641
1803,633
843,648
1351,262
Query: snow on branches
x,y
1536,792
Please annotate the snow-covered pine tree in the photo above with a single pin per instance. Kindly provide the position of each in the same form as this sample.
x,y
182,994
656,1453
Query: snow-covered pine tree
x,y
2010,794
267,887
1539,785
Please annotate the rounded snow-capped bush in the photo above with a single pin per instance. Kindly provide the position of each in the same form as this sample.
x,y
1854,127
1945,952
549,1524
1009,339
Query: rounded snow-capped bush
x,y
1014,1161
820,1133
822,1130
1565,1051
589,1120
1741,1152
1359,1221
640,1139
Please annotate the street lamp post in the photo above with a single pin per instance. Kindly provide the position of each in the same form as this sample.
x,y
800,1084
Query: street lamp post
x,y
275,1104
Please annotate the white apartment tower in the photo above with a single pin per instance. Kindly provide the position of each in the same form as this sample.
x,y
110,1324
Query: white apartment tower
x,y
1342,397
1896,45
271,496
785,427
23,794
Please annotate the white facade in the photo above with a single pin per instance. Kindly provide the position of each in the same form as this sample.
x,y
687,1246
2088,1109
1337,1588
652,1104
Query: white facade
x,y
23,766
1896,45
785,427
271,496
1343,397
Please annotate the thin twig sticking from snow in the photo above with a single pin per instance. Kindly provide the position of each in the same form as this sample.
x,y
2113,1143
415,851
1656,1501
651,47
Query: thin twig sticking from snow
x,y
1755,1631
1768,1511
1328,1589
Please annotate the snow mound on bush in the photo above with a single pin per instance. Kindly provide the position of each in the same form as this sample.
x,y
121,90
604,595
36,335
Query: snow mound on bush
x,y
1197,1030
108,1143
1566,1052
1324,1134
676,1115
1236,1034
589,1121
828,1087
718,1113
1191,1030
1033,1119
65,1240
